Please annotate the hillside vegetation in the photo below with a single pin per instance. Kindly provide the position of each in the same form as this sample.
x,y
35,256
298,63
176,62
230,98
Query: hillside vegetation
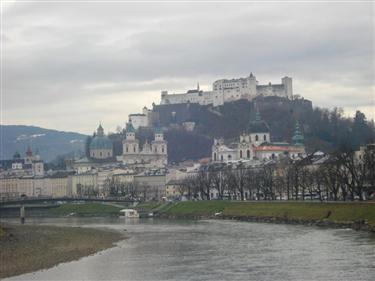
x,y
323,129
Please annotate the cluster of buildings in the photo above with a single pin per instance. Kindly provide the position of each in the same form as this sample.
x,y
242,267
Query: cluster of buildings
x,y
140,165
25,176
255,144
94,179
227,90
151,154
143,166
141,172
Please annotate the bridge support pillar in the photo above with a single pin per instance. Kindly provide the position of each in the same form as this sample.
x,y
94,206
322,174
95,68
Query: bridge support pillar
x,y
22,214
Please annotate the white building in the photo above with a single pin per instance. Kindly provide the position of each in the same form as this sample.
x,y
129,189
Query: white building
x,y
55,186
141,119
30,165
152,154
256,144
226,90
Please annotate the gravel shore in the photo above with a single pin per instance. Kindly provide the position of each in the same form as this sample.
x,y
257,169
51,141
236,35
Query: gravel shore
x,y
27,248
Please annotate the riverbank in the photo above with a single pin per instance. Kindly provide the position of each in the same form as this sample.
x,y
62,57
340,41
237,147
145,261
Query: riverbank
x,y
27,248
359,216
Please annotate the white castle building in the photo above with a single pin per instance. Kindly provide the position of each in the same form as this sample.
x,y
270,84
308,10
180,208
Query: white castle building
x,y
226,90
255,144
152,154
141,119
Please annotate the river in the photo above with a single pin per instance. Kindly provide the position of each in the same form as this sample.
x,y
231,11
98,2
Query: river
x,y
218,250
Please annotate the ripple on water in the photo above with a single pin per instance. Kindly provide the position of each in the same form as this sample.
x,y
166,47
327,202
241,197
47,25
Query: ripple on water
x,y
219,250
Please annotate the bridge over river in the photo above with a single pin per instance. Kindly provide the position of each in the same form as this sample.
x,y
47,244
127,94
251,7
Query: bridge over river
x,y
54,201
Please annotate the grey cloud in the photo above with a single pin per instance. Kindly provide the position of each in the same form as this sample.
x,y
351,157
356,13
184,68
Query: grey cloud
x,y
61,53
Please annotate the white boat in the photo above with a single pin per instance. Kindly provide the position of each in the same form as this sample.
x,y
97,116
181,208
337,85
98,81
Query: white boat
x,y
129,213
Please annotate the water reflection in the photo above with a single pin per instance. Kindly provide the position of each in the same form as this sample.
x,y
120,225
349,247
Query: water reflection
x,y
218,250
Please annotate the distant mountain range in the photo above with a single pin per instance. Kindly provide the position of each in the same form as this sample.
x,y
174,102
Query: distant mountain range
x,y
48,143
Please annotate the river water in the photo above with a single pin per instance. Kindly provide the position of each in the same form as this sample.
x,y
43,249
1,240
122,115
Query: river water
x,y
218,250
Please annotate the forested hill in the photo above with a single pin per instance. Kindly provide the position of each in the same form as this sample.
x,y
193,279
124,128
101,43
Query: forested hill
x,y
323,129
48,143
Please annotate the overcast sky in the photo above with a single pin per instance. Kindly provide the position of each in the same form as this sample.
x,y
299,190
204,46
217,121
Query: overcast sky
x,y
68,66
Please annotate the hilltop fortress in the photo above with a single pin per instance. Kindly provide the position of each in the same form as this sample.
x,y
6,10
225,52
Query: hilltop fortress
x,y
226,90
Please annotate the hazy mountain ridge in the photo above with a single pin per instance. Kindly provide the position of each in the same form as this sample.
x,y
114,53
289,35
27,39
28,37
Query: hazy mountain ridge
x,y
48,142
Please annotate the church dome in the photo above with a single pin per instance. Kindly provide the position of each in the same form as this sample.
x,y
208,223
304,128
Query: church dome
x,y
17,155
101,142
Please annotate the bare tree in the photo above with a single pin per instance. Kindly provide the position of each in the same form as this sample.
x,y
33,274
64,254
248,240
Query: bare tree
x,y
353,174
330,171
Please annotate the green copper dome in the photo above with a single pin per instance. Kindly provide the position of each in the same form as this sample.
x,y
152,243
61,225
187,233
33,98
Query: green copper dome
x,y
158,130
101,142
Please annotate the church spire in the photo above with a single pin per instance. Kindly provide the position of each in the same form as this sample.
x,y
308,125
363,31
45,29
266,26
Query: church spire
x,y
257,116
297,137
129,127
100,130
198,86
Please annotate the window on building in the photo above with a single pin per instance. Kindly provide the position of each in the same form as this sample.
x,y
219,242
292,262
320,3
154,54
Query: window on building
x,y
221,158
256,137
229,157
264,137
215,156
134,149
127,149
248,153
100,153
240,153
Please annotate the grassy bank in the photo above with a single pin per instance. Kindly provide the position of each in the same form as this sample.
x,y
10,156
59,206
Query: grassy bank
x,y
85,210
27,248
292,211
154,207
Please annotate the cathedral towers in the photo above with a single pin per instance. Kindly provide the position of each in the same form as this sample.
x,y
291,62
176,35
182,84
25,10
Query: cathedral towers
x,y
152,154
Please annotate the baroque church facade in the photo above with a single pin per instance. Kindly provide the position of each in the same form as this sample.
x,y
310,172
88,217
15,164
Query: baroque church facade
x,y
151,154
255,144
